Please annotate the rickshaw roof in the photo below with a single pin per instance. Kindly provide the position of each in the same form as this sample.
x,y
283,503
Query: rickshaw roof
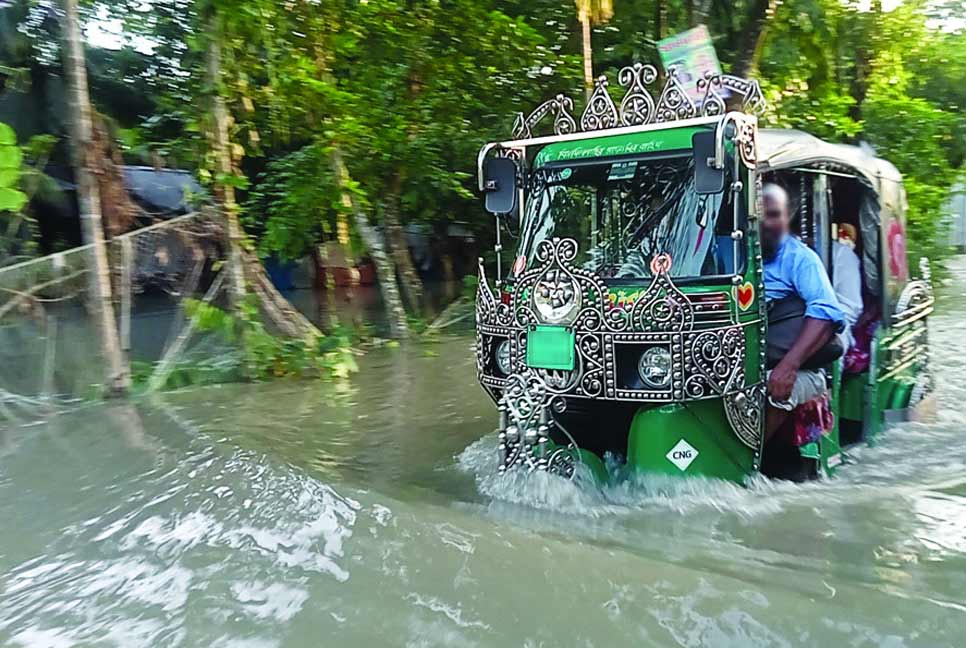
x,y
786,148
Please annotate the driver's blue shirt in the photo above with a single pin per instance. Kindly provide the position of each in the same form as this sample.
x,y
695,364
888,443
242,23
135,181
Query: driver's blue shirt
x,y
795,269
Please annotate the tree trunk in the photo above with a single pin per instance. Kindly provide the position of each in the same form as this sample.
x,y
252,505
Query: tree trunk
x,y
409,280
754,37
246,273
660,19
588,56
118,377
398,328
220,144
699,12
118,210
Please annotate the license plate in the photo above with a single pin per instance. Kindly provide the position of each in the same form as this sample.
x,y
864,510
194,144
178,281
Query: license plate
x,y
550,347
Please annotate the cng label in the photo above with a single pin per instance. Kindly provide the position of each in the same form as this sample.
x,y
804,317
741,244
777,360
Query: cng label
x,y
682,454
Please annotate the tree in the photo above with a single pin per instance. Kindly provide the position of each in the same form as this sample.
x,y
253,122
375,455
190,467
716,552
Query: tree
x,y
406,92
589,13
760,14
118,377
246,273
847,74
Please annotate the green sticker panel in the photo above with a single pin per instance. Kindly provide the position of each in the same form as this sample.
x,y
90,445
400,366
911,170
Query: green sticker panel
x,y
670,139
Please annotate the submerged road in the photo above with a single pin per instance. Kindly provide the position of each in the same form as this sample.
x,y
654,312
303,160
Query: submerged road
x,y
367,514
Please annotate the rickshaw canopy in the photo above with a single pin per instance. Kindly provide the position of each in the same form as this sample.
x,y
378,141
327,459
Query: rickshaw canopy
x,y
785,149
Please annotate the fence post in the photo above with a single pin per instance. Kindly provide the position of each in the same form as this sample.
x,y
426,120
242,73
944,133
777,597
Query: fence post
x,y
127,264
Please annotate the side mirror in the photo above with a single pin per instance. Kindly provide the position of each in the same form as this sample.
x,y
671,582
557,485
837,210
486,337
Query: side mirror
x,y
500,185
707,179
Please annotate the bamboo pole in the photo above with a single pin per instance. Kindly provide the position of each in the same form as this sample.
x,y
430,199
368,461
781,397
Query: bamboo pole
x,y
127,265
50,357
118,377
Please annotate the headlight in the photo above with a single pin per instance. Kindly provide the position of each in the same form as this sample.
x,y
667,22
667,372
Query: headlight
x,y
556,297
503,358
655,367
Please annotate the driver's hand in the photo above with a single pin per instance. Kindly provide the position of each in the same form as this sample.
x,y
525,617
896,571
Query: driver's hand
x,y
780,383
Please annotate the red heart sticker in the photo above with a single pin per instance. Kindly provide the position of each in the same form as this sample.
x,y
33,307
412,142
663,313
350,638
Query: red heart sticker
x,y
746,295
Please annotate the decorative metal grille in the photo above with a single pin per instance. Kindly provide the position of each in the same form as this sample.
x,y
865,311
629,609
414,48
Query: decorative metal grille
x,y
638,107
708,360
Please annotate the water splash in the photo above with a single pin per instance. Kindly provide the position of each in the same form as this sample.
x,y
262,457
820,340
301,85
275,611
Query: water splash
x,y
622,493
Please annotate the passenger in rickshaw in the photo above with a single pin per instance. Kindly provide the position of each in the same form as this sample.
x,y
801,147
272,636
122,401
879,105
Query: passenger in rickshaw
x,y
861,309
804,314
847,278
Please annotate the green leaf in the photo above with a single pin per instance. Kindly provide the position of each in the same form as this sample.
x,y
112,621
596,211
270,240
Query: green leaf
x,y
12,200
232,180
9,177
10,157
7,136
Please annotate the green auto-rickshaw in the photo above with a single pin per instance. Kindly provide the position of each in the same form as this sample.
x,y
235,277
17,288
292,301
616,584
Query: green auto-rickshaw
x,y
631,319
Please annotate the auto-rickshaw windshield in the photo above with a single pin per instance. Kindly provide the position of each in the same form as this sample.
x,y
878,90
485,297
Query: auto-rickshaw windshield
x,y
624,212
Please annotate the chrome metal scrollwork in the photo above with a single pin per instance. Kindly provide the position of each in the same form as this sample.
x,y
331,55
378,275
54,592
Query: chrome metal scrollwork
x,y
486,304
674,102
917,299
747,142
527,407
590,349
906,348
716,362
714,95
745,412
662,307
709,350
712,103
601,112
553,278
637,106
716,88
752,99
562,108
708,354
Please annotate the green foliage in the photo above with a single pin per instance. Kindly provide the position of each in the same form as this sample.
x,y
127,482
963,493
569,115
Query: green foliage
x,y
294,204
471,284
880,78
11,160
265,355
189,373
409,91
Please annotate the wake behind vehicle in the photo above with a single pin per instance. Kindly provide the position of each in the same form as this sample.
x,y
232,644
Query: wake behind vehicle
x,y
632,319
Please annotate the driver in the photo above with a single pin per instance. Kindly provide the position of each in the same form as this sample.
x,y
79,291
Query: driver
x,y
793,273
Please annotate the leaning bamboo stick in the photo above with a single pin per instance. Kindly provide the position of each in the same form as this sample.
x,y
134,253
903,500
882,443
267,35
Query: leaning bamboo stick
x,y
166,364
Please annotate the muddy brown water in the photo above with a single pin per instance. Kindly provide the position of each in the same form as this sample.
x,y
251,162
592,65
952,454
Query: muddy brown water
x,y
366,513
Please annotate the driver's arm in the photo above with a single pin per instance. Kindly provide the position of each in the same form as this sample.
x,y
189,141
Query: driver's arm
x,y
823,318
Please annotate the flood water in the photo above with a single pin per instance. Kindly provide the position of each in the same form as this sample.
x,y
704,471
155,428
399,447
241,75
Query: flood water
x,y
367,514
